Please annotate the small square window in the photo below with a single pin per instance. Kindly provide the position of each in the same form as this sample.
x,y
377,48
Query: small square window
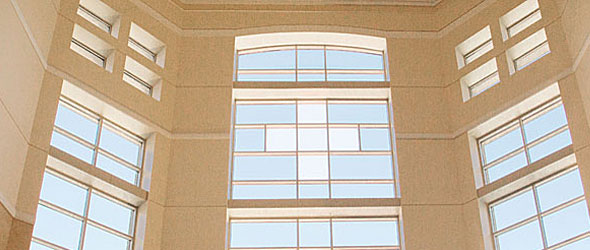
x,y
528,51
147,45
100,14
474,47
92,48
480,79
520,18
142,78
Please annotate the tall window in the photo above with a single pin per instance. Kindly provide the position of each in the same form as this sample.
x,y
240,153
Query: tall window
x,y
551,214
299,149
302,63
525,140
71,215
317,233
98,141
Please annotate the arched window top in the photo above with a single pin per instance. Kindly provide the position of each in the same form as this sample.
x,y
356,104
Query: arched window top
x,y
310,57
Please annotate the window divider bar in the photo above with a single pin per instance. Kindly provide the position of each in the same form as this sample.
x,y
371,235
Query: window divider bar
x,y
531,51
47,243
85,219
475,50
74,137
529,15
96,17
152,54
89,50
141,82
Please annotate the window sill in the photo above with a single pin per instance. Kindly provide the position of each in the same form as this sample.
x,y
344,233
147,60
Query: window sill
x,y
313,208
95,177
553,163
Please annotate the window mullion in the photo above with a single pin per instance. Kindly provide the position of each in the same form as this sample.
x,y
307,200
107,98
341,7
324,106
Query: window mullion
x,y
85,218
96,146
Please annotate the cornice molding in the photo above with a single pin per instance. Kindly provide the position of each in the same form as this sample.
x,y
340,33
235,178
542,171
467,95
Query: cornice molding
x,y
195,4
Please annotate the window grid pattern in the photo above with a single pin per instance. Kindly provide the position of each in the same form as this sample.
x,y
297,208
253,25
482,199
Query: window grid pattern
x,y
382,185
83,218
333,233
535,228
524,140
90,149
318,63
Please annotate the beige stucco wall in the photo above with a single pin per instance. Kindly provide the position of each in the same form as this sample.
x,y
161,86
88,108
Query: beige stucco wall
x,y
187,202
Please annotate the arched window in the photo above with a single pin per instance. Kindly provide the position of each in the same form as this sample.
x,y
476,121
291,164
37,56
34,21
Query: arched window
x,y
310,57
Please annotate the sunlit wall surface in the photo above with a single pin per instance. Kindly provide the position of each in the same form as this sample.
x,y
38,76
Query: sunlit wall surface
x,y
310,64
525,140
73,216
97,141
551,214
319,234
299,149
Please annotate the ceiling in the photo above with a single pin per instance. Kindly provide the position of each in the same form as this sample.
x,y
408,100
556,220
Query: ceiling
x,y
311,2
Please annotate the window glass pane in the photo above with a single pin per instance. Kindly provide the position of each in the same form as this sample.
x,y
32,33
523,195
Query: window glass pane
x,y
527,237
503,145
549,146
76,123
578,245
72,147
264,168
362,191
567,223
279,59
335,77
311,112
120,146
365,233
345,139
249,140
514,210
264,191
338,59
63,193
361,167
357,113
313,167
506,167
265,114
314,234
313,139
280,139
57,228
37,246
314,191
275,77
375,139
560,190
545,123
117,169
314,76
110,213
310,59
275,234
97,239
